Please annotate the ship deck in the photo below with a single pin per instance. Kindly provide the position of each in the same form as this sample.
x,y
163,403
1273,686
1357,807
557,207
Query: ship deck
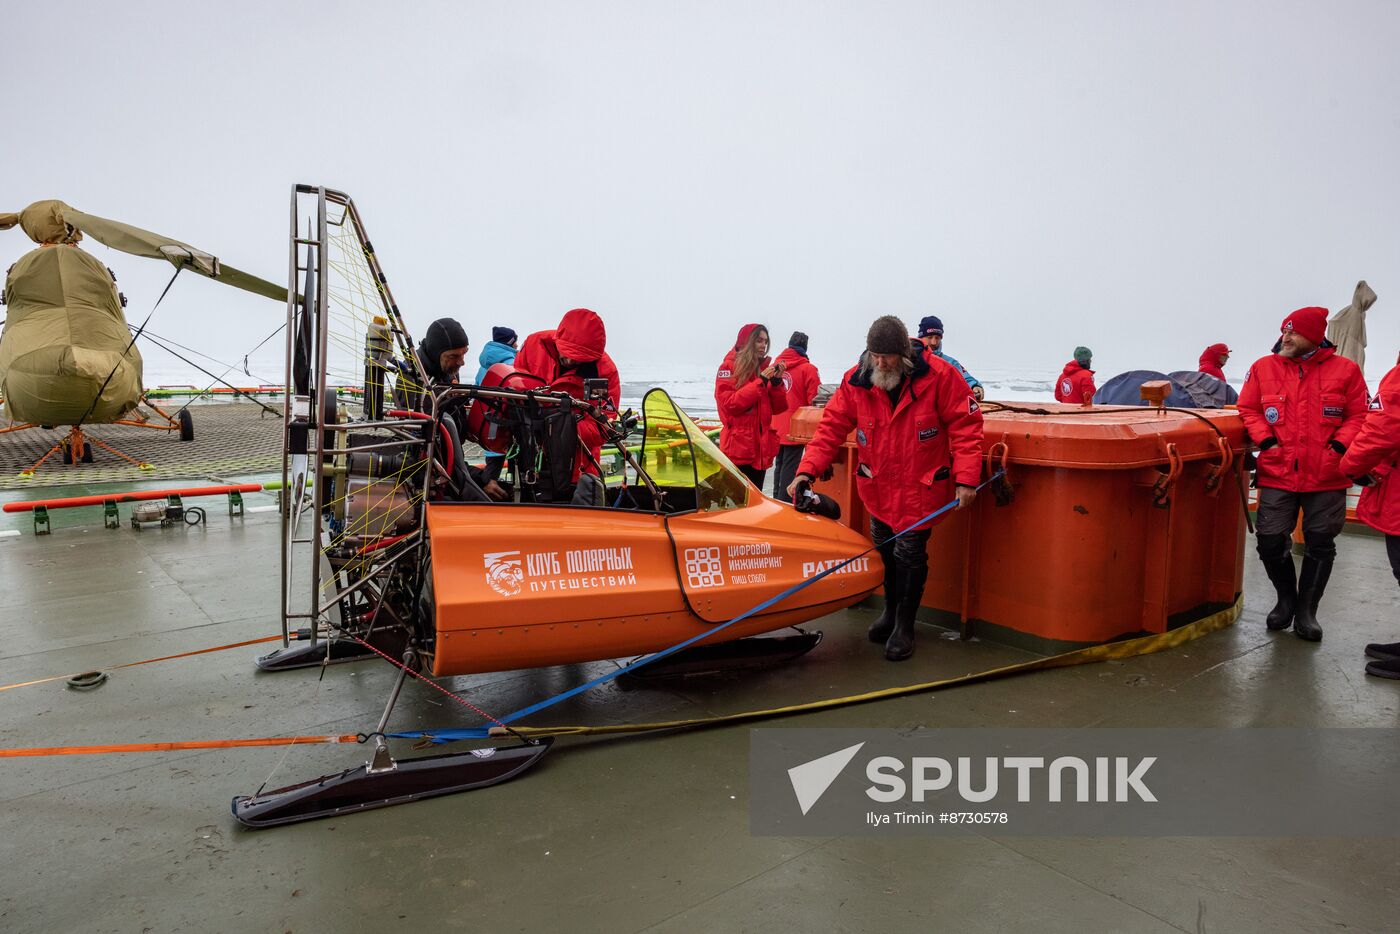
x,y
613,834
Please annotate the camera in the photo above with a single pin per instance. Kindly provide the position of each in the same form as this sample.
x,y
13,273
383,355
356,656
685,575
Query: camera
x,y
595,389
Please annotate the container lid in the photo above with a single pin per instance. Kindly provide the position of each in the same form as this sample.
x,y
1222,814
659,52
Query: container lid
x,y
1108,437
1095,438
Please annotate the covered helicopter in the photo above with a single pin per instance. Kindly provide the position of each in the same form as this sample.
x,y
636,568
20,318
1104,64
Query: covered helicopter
x,y
396,551
67,356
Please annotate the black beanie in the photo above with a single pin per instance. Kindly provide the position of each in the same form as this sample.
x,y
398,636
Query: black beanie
x,y
798,341
442,334
888,335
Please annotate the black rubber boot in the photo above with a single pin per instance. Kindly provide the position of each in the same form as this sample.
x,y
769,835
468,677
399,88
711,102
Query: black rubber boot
x,y
1383,651
1388,668
1279,565
1312,582
900,645
884,624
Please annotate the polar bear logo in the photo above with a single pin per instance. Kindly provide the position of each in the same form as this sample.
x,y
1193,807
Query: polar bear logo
x,y
504,572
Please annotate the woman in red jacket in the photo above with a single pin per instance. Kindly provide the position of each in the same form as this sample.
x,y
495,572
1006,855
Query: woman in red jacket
x,y
749,390
1372,458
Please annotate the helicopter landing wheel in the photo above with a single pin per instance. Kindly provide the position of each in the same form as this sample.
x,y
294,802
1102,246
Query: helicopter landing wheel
x,y
186,425
85,456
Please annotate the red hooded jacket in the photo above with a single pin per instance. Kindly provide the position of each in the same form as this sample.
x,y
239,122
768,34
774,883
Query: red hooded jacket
x,y
1209,360
802,382
1376,450
910,454
1306,405
746,412
582,338
1075,385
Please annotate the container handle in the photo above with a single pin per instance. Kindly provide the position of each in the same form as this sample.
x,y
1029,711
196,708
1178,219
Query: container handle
x,y
1161,490
1227,457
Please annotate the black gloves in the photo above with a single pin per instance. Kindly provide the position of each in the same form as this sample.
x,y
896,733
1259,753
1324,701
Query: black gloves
x,y
799,493
1268,442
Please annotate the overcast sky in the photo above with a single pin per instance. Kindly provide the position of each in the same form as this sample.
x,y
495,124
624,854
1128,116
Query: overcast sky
x,y
1142,178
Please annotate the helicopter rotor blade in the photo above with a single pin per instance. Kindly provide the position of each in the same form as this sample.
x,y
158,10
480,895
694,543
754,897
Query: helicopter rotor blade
x,y
138,242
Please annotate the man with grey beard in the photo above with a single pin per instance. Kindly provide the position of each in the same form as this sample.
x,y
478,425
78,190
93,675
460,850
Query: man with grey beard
x,y
1302,405
918,434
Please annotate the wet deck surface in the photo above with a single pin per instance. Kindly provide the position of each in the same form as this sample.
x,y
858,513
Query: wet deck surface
x,y
606,835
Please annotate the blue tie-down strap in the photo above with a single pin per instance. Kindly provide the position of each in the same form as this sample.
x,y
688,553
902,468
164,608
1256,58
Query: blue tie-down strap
x,y
481,732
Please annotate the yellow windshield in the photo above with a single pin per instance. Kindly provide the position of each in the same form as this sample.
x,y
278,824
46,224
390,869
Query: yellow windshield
x,y
676,453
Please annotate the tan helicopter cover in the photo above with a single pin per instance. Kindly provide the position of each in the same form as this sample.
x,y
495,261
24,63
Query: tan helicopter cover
x,y
56,222
64,333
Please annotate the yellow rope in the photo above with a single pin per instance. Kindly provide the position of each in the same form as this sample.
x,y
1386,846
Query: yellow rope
x,y
1143,645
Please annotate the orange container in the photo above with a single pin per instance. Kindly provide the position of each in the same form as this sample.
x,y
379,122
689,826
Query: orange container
x,y
1124,521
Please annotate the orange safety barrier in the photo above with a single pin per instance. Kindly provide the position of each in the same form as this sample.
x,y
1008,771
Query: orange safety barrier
x,y
71,502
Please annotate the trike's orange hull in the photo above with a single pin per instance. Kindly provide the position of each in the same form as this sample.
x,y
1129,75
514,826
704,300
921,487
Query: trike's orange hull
x,y
529,586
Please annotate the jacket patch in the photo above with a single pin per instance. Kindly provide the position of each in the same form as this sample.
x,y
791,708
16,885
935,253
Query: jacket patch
x,y
1332,411
1375,405
1066,387
927,434
1271,414
725,374
972,406
860,437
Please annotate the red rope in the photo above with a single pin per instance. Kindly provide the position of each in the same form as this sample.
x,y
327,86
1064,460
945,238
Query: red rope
x,y
433,684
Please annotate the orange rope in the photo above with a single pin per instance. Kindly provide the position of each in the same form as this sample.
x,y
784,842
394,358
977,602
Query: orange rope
x,y
163,658
172,747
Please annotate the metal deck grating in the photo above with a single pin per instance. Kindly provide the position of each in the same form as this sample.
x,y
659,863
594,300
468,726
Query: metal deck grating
x,y
229,439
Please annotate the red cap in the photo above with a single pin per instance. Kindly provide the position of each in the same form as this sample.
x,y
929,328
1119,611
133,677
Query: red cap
x,y
1307,322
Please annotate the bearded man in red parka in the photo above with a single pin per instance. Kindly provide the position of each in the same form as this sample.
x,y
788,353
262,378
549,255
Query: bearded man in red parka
x,y
918,432
1302,405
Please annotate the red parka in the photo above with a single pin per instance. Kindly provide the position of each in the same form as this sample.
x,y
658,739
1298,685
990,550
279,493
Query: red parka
x,y
1076,384
802,382
746,412
1376,451
910,454
1311,407
582,338
1210,360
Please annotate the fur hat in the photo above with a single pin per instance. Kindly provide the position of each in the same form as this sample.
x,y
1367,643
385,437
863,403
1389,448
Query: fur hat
x,y
888,335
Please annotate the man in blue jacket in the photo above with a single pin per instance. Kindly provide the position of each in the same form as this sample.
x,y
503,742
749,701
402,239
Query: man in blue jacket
x,y
931,334
499,349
